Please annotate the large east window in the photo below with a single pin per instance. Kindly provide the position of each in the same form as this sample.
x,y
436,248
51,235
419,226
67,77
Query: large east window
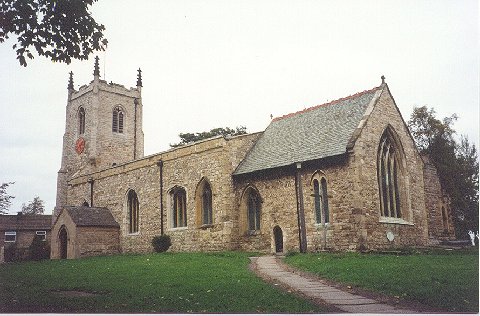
x,y
388,171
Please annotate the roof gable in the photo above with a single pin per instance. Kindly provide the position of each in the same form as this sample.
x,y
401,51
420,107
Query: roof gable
x,y
314,133
25,222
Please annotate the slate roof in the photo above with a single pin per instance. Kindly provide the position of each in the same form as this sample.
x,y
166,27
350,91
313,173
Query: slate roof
x,y
25,222
314,133
91,216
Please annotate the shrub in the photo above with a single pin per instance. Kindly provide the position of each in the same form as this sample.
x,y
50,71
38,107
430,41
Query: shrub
x,y
39,249
161,243
11,253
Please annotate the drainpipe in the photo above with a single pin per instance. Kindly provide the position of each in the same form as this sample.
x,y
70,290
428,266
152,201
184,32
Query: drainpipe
x,y
90,180
302,234
160,166
135,102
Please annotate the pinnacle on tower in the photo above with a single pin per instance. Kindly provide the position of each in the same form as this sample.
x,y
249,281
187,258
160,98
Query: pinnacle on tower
x,y
70,81
383,79
139,78
96,69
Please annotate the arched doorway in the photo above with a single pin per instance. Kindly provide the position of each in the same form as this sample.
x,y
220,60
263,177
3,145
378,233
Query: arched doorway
x,y
278,237
63,242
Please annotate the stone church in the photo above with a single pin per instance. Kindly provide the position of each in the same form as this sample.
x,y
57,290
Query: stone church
x,y
345,176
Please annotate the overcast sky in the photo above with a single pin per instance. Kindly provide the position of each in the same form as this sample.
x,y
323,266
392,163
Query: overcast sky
x,y
228,63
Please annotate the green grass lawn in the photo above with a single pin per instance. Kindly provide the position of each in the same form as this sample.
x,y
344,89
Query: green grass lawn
x,y
168,282
442,279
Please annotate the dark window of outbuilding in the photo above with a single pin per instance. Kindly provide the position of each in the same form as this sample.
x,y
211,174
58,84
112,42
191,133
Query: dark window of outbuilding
x,y
42,234
10,236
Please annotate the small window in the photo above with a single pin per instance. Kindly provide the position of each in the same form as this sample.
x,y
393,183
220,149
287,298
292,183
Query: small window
x,y
321,201
42,234
179,207
81,121
10,236
207,205
326,214
117,120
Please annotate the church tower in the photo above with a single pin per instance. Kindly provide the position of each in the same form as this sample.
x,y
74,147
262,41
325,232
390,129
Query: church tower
x,y
103,128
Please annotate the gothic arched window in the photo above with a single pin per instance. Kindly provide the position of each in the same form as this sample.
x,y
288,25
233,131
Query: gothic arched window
x,y
179,207
388,171
133,211
253,210
117,120
207,204
321,201
81,121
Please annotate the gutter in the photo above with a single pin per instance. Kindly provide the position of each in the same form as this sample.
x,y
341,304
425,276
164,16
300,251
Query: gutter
x,y
160,166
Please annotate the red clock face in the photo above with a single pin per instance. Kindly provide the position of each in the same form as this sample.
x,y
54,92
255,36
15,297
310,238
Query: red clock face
x,y
80,145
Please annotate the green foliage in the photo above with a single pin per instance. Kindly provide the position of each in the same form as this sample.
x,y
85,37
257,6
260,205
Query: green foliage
x,y
187,138
161,243
39,249
153,283
456,163
426,129
58,30
5,198
442,279
34,207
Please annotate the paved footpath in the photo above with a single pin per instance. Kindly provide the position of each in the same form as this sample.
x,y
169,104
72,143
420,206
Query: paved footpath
x,y
269,268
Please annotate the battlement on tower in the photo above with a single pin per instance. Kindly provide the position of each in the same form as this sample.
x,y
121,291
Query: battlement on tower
x,y
111,87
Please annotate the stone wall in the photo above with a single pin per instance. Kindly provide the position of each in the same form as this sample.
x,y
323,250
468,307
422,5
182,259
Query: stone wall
x,y
213,160
84,241
102,146
353,195
437,204
355,221
412,228
63,221
94,241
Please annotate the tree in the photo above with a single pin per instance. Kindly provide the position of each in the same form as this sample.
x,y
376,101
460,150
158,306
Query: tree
x,y
187,138
456,163
5,198
57,29
426,128
35,207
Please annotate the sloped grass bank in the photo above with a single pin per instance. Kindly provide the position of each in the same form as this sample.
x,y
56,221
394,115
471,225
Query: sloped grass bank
x,y
443,279
168,282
